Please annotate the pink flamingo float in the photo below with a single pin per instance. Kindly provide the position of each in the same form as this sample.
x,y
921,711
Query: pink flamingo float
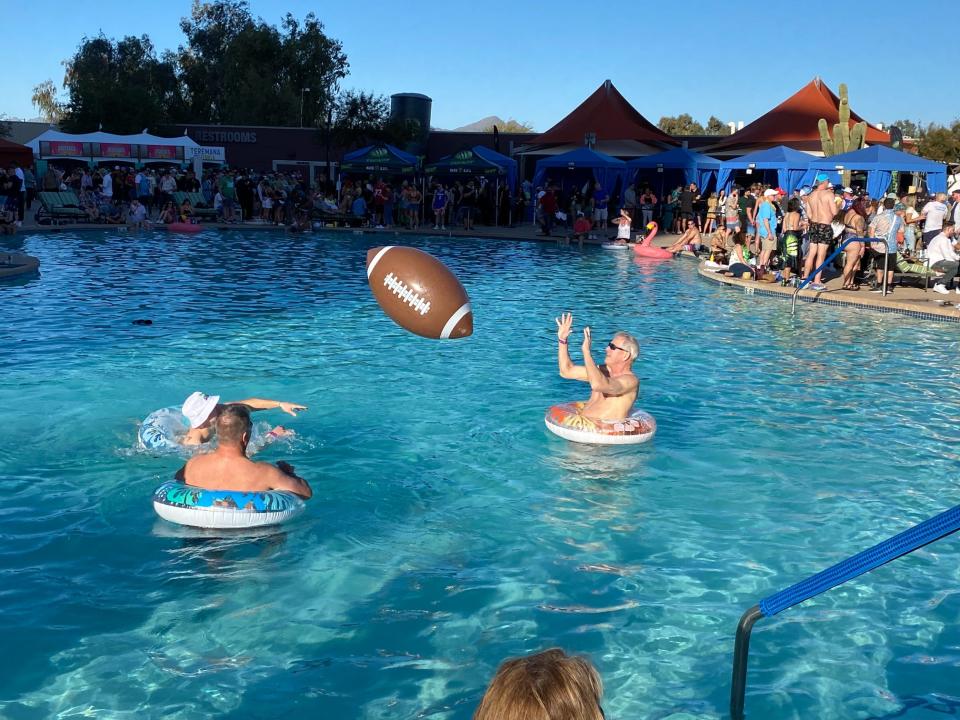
x,y
645,249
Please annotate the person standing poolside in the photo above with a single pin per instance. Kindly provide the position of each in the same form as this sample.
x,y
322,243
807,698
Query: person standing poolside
x,y
613,386
229,468
439,207
885,226
600,201
821,210
767,228
202,410
933,214
623,227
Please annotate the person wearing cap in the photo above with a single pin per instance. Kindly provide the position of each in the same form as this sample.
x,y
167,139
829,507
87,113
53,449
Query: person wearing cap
x,y
201,410
229,468
767,227
820,210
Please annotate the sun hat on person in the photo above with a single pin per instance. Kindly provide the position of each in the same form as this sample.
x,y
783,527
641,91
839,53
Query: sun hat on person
x,y
769,192
198,406
848,190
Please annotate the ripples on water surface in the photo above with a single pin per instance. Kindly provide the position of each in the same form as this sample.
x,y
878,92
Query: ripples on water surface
x,y
449,530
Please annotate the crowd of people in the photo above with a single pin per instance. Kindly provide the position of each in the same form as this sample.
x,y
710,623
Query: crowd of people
x,y
124,194
758,231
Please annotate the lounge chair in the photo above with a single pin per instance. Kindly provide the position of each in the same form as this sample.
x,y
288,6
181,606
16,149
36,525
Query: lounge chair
x,y
59,206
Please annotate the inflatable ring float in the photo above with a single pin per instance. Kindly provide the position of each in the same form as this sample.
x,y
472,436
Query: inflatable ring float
x,y
162,429
223,509
568,422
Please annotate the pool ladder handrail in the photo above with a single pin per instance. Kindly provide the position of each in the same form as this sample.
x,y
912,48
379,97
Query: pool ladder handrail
x,y
840,249
914,538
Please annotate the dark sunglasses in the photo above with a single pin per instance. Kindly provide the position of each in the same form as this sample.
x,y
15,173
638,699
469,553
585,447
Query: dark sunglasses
x,y
616,347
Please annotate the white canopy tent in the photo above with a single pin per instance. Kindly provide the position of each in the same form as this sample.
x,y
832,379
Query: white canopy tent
x,y
140,148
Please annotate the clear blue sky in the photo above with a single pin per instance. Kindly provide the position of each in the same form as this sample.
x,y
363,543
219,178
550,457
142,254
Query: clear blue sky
x,y
536,61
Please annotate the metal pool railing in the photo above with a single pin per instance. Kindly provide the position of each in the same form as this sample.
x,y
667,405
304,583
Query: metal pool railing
x,y
840,249
928,531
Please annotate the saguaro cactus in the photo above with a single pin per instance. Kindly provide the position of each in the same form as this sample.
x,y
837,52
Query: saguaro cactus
x,y
844,138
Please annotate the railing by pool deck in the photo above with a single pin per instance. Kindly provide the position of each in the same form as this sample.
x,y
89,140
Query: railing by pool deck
x,y
936,528
825,263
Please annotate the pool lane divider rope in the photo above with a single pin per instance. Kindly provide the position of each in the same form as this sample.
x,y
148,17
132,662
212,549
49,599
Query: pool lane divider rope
x,y
920,535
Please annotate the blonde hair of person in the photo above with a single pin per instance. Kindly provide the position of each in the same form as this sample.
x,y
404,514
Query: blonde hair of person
x,y
549,685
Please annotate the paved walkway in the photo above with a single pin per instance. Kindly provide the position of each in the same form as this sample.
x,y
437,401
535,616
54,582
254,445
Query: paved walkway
x,y
915,302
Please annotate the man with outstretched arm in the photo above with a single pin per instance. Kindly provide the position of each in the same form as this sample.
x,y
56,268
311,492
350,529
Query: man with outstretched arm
x,y
202,410
229,468
613,386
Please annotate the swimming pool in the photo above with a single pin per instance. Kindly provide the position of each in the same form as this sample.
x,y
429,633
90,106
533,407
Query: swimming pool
x,y
449,529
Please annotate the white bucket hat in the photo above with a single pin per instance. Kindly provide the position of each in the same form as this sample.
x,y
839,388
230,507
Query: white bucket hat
x,y
198,406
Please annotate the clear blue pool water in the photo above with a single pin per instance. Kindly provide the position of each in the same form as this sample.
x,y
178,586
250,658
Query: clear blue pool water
x,y
449,530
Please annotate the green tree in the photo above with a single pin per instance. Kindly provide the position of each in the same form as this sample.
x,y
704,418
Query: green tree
x,y
120,85
240,70
941,143
45,100
716,126
681,125
210,30
909,128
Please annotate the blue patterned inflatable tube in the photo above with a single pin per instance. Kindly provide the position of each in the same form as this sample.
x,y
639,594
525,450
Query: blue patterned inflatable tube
x,y
198,507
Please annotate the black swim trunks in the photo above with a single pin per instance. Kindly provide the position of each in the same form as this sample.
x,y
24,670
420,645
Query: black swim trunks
x,y
820,234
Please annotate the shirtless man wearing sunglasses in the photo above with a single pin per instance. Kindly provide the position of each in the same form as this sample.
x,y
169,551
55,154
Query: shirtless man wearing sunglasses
x,y
613,386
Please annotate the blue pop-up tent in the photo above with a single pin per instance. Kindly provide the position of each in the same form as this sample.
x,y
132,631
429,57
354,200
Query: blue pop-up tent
x,y
381,158
879,162
674,167
507,163
579,165
781,165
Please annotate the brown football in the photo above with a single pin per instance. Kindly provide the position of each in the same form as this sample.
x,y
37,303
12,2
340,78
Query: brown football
x,y
419,293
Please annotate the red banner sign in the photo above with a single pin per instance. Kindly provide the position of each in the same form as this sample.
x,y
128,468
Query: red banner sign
x,y
161,152
65,148
115,150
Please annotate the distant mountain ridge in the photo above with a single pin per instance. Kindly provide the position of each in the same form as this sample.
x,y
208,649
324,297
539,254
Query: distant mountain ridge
x,y
484,125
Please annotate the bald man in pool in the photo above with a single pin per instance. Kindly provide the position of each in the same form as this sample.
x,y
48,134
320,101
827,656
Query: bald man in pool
x,y
229,468
613,386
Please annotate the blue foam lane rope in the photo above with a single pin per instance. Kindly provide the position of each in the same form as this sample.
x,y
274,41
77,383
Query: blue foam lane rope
x,y
906,542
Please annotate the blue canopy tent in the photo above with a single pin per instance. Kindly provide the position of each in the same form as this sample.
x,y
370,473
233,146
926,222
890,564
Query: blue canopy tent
x,y
507,163
577,166
382,158
880,161
673,167
468,163
786,165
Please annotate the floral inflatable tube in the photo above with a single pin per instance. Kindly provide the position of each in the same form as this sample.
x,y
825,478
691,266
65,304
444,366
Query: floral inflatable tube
x,y
161,431
223,509
568,422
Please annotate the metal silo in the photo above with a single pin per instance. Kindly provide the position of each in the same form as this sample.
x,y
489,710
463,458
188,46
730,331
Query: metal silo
x,y
416,107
